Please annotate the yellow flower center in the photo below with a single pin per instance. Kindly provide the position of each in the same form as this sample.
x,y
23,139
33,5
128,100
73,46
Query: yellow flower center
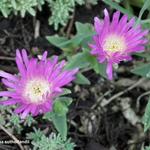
x,y
36,89
114,43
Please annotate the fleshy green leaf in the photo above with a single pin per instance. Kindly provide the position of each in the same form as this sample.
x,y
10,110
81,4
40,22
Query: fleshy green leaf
x,y
145,6
61,105
84,33
81,79
118,7
83,28
60,108
60,123
147,148
65,91
143,70
65,100
78,61
146,118
57,41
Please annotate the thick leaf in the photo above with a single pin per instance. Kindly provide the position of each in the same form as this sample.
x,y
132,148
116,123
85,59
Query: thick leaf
x,y
146,118
65,91
61,105
137,3
57,40
60,108
118,7
78,61
83,28
143,70
60,123
145,6
98,67
147,148
49,116
65,100
145,55
81,79
84,34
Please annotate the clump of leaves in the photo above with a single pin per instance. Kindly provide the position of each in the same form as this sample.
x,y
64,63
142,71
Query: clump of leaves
x,y
53,142
147,148
61,10
20,6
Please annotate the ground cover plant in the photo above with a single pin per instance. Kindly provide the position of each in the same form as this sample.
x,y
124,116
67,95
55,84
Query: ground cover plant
x,y
74,75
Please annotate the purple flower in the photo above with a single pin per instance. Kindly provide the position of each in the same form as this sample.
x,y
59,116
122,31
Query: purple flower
x,y
37,85
116,40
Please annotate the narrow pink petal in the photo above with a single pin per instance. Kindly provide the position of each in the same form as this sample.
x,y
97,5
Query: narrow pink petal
x,y
44,56
105,25
101,58
25,113
115,21
109,70
20,109
6,93
8,83
8,102
33,109
98,25
8,76
25,57
20,63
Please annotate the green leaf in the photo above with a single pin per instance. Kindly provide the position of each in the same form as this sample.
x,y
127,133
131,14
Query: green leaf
x,y
60,108
146,118
143,70
2,120
77,61
98,67
32,11
65,91
81,79
145,55
23,11
15,119
48,116
13,2
118,7
147,148
61,105
36,135
83,28
60,123
145,6
29,120
57,40
65,100
5,12
84,34
137,3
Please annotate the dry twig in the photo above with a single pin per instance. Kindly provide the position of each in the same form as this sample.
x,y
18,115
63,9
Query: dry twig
x,y
70,24
12,136
122,92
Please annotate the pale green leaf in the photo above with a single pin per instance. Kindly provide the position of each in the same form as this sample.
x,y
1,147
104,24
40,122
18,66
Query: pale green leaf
x,y
143,70
146,118
81,79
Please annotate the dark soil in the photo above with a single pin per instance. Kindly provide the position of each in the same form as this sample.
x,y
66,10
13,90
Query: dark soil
x,y
91,126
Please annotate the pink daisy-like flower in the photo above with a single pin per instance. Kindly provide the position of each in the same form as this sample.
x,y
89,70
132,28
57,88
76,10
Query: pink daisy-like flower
x,y
115,41
37,85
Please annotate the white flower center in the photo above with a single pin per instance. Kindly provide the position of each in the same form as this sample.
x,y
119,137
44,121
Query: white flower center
x,y
36,89
114,43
